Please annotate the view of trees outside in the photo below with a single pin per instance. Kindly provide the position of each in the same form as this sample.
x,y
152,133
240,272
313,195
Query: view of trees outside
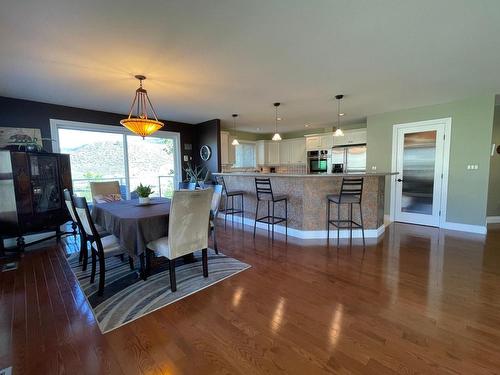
x,y
97,156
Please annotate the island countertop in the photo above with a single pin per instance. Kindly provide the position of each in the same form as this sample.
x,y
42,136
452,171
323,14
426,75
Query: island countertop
x,y
314,175
307,202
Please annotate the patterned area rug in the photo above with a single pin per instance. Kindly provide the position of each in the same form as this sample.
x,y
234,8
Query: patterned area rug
x,y
127,297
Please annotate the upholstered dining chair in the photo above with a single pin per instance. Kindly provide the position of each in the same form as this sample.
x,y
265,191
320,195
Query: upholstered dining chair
x,y
106,191
214,212
187,230
83,258
101,247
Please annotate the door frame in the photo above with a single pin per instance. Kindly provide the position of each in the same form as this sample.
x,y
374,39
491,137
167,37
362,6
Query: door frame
x,y
446,163
56,124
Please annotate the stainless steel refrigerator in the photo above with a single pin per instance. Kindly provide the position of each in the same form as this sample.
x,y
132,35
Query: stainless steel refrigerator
x,y
350,158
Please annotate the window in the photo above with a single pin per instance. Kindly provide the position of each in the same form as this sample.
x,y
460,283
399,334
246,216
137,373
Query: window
x,y
107,153
245,155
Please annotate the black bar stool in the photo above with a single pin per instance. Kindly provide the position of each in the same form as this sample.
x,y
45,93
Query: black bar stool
x,y
351,192
231,194
265,193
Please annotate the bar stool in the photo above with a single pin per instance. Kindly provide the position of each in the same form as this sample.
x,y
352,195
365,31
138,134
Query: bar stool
x,y
265,193
231,194
351,192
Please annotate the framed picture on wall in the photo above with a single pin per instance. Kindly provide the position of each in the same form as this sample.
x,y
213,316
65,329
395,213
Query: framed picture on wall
x,y
20,138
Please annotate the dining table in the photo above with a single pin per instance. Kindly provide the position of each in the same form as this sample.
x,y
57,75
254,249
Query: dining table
x,y
134,224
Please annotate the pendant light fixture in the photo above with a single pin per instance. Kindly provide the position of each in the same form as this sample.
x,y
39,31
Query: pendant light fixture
x,y
139,122
338,132
235,140
276,136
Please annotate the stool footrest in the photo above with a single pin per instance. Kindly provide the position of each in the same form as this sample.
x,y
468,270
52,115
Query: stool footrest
x,y
270,219
338,223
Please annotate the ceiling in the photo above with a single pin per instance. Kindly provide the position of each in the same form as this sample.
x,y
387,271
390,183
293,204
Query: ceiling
x,y
207,59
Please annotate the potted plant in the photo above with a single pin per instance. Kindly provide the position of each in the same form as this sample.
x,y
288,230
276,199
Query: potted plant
x,y
144,191
199,174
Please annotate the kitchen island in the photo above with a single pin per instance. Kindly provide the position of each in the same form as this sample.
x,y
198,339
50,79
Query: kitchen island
x,y
307,201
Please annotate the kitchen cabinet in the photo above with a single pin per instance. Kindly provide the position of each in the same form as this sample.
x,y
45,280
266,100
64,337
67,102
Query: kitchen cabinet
x,y
319,141
232,150
351,137
224,147
290,151
261,153
273,153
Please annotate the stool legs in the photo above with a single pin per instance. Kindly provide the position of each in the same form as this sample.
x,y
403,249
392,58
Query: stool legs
x,y
362,224
256,216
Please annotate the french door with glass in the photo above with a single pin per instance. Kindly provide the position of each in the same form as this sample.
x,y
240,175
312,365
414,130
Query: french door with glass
x,y
420,162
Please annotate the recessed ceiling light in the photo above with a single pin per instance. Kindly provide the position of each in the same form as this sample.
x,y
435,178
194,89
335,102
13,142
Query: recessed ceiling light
x,y
279,119
259,129
341,114
307,125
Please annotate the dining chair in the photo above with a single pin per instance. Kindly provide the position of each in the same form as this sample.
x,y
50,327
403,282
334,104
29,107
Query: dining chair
x,y
214,212
187,230
187,185
101,247
106,191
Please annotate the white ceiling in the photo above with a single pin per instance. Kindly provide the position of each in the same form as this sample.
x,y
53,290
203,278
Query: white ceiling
x,y
207,59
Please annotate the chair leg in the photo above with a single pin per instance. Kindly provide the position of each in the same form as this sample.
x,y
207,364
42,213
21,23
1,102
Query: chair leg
x,y
268,225
225,211
242,212
121,257
173,283
256,216
102,273
148,262
350,224
80,258
362,224
328,220
142,260
204,257
94,261
214,231
286,217
84,251
338,224
131,263
272,225
232,210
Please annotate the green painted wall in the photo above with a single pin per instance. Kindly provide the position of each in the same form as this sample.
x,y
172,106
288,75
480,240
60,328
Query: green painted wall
x,y
494,185
247,136
471,130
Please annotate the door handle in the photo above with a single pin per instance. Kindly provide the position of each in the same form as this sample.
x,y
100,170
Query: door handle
x,y
400,180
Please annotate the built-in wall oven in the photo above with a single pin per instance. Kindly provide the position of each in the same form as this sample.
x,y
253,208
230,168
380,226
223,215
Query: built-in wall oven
x,y
318,161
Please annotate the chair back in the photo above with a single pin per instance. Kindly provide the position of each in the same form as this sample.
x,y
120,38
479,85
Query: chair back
x,y
104,188
220,181
352,187
188,221
264,189
216,198
83,213
187,185
70,205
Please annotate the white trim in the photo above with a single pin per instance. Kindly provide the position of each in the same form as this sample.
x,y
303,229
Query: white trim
x,y
479,229
311,234
56,124
493,220
446,164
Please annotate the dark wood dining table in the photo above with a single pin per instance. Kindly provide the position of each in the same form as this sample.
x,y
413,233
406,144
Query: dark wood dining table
x,y
135,225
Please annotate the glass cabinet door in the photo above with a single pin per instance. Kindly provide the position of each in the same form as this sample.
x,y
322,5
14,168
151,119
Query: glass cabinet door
x,y
45,183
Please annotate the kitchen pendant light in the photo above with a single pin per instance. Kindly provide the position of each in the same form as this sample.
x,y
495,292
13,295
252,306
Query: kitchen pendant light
x,y
235,141
139,123
276,136
338,132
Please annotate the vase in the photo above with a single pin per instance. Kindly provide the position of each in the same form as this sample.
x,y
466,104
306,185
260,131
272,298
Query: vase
x,y
144,200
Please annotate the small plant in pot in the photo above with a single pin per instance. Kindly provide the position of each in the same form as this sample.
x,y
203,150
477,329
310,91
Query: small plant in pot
x,y
144,191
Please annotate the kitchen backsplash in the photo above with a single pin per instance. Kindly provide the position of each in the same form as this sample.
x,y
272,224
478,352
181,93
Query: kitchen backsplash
x,y
289,168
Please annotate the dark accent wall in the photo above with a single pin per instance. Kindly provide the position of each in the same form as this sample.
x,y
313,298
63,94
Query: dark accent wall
x,y
208,133
19,113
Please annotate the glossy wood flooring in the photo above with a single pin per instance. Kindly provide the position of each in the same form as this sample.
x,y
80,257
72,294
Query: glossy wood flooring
x,y
418,301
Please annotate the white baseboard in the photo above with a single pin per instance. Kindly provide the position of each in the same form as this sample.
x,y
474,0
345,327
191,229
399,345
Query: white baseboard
x,y
480,229
493,220
311,234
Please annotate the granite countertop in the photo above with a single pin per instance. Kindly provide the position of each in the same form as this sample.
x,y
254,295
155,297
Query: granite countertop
x,y
324,175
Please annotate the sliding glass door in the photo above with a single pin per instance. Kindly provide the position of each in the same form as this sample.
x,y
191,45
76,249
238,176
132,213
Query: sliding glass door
x,y
107,153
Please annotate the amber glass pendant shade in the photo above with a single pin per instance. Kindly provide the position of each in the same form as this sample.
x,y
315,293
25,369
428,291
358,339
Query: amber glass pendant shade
x,y
138,121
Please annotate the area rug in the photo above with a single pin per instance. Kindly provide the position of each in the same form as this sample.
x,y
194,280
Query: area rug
x,y
127,297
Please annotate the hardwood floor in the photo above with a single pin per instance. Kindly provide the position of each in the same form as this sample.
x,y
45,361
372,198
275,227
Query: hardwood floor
x,y
418,301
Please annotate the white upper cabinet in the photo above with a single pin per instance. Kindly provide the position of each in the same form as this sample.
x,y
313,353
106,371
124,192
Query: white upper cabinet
x,y
351,137
273,153
319,141
224,147
297,151
261,152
